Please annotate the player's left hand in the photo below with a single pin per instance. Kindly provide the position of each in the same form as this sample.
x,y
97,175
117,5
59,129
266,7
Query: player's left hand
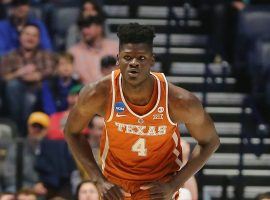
x,y
160,191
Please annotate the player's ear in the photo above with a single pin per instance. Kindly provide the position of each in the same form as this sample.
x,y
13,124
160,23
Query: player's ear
x,y
153,59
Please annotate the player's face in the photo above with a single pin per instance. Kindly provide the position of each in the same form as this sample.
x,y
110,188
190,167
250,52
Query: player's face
x,y
135,61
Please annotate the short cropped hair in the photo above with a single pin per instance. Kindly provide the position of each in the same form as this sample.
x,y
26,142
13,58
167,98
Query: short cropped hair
x,y
16,3
107,61
88,21
30,25
66,55
136,33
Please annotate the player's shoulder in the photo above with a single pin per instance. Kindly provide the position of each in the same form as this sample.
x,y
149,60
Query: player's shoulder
x,y
96,92
179,96
183,105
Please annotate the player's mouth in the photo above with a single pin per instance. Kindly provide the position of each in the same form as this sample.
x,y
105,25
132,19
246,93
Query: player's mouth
x,y
133,73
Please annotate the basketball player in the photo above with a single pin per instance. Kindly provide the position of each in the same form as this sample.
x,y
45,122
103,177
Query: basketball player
x,y
140,146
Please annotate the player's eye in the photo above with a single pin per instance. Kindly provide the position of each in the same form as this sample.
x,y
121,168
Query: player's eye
x,y
127,57
142,58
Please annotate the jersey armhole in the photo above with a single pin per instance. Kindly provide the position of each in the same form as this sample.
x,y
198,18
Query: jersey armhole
x,y
167,101
111,109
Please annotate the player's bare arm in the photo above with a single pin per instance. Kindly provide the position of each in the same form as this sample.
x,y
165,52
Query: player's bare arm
x,y
185,108
91,101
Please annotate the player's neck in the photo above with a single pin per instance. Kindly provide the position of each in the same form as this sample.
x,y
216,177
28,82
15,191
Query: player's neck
x,y
140,94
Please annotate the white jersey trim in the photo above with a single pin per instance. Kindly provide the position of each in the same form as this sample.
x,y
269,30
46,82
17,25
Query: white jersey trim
x,y
105,151
129,109
113,98
167,101
175,151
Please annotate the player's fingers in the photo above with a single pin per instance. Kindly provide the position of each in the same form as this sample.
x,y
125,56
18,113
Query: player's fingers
x,y
126,194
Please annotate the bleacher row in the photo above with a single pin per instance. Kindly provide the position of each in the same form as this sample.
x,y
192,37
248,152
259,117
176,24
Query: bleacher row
x,y
182,48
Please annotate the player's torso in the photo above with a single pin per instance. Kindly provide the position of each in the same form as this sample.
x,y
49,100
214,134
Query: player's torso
x,y
140,147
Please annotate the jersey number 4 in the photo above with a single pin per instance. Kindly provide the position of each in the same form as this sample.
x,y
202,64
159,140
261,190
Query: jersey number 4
x,y
139,147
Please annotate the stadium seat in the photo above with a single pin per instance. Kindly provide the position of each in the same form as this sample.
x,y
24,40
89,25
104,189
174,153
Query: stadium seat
x,y
62,19
253,24
8,131
36,12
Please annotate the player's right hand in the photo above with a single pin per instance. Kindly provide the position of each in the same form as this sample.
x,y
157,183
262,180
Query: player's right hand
x,y
110,191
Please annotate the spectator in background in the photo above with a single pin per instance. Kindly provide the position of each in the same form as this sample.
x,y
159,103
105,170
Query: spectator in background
x,y
92,47
58,119
54,164
38,123
190,189
89,8
23,70
55,89
11,27
108,64
26,194
96,129
7,196
87,190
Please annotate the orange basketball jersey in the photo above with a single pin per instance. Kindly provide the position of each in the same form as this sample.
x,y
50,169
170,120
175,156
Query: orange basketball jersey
x,y
136,149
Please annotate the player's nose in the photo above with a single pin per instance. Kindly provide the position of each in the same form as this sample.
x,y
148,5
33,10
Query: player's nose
x,y
134,63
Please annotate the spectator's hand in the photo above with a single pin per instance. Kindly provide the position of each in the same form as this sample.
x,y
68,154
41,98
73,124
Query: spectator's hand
x,y
27,69
35,76
159,190
40,189
110,191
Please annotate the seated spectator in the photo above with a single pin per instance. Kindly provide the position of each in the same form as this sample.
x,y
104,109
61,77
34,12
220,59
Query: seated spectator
x,y
87,190
108,64
26,194
89,8
11,27
96,130
190,188
54,164
58,119
55,89
7,196
23,70
92,47
37,129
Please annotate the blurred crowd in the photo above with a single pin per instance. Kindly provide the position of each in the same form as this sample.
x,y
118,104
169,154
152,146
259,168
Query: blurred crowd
x,y
39,85
40,79
34,75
